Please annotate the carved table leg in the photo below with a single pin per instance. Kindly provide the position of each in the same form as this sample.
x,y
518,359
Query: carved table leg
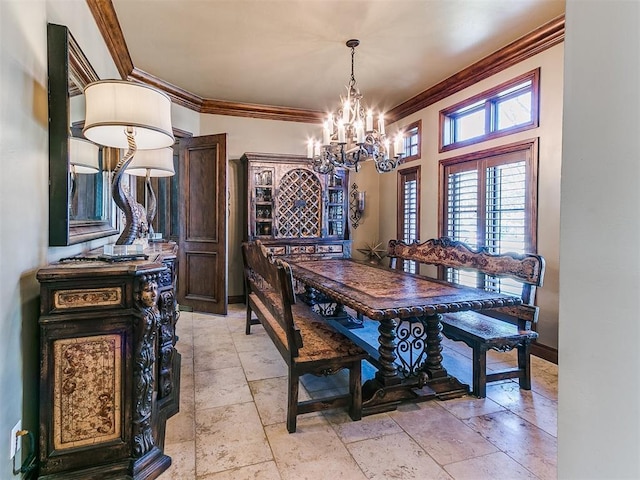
x,y
432,366
385,391
388,372
444,385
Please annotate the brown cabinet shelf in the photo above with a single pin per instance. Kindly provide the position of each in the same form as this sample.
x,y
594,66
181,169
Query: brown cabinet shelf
x,y
294,209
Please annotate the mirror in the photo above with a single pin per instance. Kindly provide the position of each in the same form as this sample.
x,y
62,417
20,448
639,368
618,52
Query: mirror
x,y
80,206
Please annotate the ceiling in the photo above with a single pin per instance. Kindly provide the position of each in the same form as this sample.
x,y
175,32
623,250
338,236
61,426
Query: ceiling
x,y
292,53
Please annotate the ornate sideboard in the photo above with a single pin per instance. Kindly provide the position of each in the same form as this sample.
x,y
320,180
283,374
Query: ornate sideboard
x,y
109,372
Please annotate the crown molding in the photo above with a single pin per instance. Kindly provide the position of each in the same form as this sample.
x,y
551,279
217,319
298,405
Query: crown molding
x,y
107,21
531,44
109,26
266,112
221,107
542,38
177,94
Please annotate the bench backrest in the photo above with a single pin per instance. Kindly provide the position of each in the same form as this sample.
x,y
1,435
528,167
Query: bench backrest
x,y
444,252
269,284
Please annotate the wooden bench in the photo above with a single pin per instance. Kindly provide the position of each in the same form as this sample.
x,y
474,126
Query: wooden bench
x,y
500,329
307,343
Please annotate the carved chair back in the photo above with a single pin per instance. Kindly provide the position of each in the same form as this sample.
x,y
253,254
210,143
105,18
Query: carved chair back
x,y
528,269
269,285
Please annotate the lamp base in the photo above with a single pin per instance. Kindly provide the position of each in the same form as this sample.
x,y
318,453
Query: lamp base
x,y
142,242
114,250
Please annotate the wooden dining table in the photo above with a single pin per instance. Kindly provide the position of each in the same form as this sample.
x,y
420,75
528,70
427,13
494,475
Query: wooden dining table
x,y
393,298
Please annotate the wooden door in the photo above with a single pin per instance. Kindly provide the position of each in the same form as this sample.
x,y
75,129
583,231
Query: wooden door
x,y
202,280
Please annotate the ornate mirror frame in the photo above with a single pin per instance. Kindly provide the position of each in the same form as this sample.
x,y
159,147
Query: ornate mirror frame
x,y
69,73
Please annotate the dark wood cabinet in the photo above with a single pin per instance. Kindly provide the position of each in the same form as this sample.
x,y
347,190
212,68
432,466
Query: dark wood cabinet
x,y
109,372
294,210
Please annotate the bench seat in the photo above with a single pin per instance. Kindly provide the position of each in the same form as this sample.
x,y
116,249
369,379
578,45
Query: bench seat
x,y
307,343
483,333
492,332
321,341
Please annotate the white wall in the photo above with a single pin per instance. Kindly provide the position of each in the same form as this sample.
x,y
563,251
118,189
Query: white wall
x,y
24,191
599,385
23,203
549,133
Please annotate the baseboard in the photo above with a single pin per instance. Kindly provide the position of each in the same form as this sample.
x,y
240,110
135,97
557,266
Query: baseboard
x,y
235,299
549,354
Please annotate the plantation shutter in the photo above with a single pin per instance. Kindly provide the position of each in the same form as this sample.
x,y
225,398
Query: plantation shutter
x,y
488,205
409,209
506,213
462,205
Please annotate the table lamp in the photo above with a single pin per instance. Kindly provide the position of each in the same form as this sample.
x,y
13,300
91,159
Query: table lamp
x,y
151,163
84,156
127,115
84,159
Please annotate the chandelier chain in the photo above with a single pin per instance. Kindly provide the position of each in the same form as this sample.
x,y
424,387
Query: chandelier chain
x,y
352,82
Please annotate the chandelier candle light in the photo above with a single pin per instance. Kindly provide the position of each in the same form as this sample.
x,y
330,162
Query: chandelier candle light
x,y
349,136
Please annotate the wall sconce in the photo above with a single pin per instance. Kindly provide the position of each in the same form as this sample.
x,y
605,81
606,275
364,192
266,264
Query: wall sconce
x,y
128,115
361,201
152,163
356,205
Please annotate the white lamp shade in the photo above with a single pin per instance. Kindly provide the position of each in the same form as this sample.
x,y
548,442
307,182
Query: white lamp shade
x,y
84,156
159,163
114,105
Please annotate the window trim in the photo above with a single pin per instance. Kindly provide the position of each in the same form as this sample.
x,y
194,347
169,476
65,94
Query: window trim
x,y
400,213
402,174
417,124
489,96
531,146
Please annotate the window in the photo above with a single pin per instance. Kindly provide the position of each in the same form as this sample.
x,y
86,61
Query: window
x,y
506,109
409,209
412,145
490,200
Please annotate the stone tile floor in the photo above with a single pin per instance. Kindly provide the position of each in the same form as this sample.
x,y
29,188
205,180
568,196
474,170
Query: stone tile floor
x,y
232,413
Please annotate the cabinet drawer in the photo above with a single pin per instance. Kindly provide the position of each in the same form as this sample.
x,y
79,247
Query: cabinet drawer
x,y
330,248
70,299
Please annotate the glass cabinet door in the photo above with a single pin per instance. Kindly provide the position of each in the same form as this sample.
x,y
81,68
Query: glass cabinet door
x,y
262,202
336,211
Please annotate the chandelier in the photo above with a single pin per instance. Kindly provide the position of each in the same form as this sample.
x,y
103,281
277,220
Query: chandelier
x,y
349,136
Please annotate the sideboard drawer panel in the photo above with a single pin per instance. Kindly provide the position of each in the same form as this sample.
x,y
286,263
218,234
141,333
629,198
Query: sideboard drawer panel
x,y
88,297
